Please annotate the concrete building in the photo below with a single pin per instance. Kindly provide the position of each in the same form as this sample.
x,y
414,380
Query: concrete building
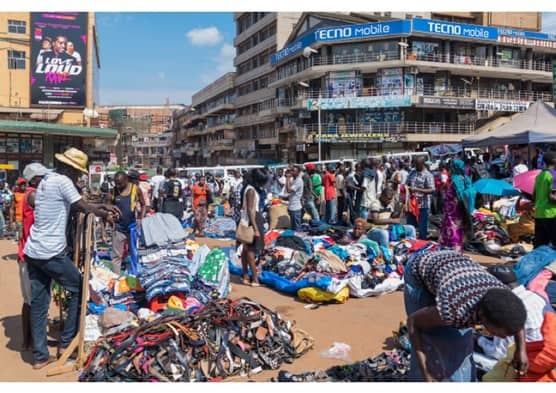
x,y
49,72
258,36
397,85
205,132
145,137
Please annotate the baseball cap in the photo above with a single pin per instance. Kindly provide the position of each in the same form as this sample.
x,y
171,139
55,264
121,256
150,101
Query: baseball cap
x,y
310,167
33,170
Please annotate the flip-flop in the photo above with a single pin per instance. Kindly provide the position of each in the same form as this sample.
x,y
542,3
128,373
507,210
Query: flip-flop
x,y
255,284
245,281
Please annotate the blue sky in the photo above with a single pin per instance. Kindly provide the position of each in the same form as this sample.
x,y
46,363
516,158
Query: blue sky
x,y
148,57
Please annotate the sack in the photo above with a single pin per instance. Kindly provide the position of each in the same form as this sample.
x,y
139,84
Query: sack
x,y
301,341
279,217
316,295
245,233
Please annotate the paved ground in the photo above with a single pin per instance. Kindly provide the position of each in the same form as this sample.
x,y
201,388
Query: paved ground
x,y
365,324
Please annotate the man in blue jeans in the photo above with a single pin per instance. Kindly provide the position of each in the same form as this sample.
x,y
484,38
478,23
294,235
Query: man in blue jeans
x,y
294,188
46,254
421,183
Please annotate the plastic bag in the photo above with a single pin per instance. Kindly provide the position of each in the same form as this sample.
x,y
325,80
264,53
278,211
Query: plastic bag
x,y
317,295
338,351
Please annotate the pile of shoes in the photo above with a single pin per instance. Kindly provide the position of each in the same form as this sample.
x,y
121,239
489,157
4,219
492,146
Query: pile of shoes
x,y
224,338
388,366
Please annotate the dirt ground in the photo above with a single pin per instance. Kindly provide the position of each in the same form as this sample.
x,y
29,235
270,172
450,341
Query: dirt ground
x,y
365,324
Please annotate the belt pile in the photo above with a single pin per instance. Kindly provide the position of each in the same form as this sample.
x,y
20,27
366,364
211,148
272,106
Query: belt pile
x,y
225,338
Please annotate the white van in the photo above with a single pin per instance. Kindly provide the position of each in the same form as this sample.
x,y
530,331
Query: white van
x,y
411,156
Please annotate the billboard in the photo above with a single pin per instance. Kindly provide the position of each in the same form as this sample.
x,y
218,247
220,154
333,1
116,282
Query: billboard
x,y
58,59
358,102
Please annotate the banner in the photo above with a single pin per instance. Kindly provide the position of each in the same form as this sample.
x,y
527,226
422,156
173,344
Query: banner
x,y
368,30
446,102
501,105
58,59
358,102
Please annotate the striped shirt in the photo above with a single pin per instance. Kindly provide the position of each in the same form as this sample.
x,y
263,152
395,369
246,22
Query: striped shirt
x,y
55,195
457,282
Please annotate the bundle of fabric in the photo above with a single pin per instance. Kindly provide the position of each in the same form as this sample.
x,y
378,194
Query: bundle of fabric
x,y
223,339
203,277
221,228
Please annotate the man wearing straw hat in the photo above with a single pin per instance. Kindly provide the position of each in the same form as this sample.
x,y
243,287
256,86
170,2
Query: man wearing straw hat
x,y
45,251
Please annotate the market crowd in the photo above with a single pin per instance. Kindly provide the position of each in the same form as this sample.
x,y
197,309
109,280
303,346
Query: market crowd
x,y
379,200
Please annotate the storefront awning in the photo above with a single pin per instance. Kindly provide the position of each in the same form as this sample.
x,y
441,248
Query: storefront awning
x,y
55,129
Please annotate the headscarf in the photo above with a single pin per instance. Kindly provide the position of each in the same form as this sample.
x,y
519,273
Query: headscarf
x,y
463,185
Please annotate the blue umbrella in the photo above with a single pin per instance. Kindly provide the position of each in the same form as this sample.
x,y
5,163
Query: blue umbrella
x,y
495,187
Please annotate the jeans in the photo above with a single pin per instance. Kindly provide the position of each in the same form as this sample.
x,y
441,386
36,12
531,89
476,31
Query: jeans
x,y
119,240
311,208
331,211
41,272
423,223
382,236
2,223
295,217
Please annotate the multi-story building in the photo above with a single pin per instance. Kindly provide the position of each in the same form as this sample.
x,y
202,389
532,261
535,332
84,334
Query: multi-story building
x,y
258,35
401,84
49,73
145,133
205,132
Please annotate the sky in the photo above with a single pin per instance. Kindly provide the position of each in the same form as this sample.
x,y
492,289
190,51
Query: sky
x,y
149,57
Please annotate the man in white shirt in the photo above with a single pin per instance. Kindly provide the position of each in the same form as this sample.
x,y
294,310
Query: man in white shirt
x,y
157,182
535,305
294,188
45,250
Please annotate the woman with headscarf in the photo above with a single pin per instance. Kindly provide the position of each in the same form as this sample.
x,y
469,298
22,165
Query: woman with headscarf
x,y
459,203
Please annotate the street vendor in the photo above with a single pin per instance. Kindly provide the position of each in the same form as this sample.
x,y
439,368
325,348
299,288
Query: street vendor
x,y
45,251
125,196
445,294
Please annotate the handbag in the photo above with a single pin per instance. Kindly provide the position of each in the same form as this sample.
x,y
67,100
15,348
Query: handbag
x,y
245,233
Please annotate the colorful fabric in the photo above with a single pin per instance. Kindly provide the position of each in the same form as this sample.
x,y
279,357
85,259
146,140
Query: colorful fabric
x,y
28,219
457,283
210,269
451,231
463,186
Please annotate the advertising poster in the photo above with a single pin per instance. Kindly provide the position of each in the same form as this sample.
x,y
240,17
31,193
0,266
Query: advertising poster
x,y
344,84
390,81
58,59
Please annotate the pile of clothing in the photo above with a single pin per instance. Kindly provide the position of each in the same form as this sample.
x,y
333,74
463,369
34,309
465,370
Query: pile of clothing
x,y
322,267
221,228
388,366
224,338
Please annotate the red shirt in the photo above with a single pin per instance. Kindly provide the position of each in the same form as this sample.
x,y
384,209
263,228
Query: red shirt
x,y
329,183
28,220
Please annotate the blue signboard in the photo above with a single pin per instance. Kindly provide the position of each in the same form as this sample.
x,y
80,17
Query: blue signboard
x,y
460,30
293,48
379,29
532,35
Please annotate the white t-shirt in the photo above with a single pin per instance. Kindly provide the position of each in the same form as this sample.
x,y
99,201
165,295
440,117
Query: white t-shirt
x,y
55,195
157,181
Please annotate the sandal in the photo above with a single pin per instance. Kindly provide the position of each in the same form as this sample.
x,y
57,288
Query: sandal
x,y
255,284
245,281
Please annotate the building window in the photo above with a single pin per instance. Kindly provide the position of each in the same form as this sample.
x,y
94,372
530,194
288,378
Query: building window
x,y
16,60
17,26
387,14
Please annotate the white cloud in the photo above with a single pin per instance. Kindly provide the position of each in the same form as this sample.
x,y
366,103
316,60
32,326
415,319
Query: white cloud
x,y
225,60
147,96
208,36
549,22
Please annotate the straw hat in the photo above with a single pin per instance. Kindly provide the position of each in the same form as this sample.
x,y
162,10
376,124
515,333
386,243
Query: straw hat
x,y
74,158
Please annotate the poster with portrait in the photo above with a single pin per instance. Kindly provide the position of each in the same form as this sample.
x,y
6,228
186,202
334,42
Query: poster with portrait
x,y
58,59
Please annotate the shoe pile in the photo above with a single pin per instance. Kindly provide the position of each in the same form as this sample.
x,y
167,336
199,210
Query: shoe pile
x,y
225,338
389,366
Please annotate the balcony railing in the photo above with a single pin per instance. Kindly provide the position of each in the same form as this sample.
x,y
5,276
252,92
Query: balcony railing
x,y
373,57
389,129
502,94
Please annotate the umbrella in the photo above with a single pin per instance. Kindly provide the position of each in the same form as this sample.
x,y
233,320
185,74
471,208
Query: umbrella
x,y
526,181
495,187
